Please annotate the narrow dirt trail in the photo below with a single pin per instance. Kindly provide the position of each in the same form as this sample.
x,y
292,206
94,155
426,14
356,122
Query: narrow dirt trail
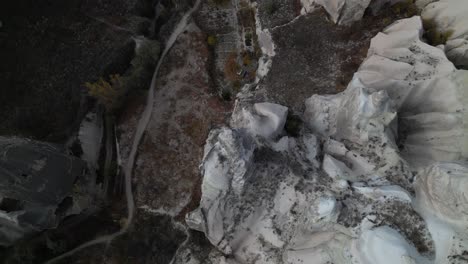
x,y
140,130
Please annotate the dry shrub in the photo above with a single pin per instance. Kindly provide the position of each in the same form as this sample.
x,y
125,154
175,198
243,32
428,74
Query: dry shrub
x,y
107,93
231,67
246,59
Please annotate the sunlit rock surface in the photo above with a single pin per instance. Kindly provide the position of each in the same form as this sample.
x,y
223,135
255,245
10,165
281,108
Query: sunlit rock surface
x,y
39,186
375,176
415,79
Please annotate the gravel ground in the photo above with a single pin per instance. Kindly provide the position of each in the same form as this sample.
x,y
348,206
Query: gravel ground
x,y
314,56
278,12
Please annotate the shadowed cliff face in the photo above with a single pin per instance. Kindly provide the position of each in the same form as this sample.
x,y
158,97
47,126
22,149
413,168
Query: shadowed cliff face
x,y
49,49
36,183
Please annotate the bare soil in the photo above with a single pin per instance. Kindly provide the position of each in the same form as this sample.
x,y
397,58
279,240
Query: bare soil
x,y
315,56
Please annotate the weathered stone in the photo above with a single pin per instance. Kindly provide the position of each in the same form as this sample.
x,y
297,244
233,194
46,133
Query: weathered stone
x,y
36,187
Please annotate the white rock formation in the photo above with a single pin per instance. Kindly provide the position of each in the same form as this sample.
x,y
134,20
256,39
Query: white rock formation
x,y
442,199
449,17
457,51
387,246
265,119
265,41
340,11
376,177
90,136
345,12
307,6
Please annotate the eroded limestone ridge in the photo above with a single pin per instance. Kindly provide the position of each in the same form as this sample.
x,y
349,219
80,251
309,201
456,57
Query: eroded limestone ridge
x,y
377,175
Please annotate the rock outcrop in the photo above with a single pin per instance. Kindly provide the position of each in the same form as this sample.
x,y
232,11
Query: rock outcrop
x,y
376,175
39,186
448,23
345,12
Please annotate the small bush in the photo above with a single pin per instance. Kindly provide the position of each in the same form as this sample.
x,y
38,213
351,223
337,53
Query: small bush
x,y
438,38
433,35
111,93
108,93
212,40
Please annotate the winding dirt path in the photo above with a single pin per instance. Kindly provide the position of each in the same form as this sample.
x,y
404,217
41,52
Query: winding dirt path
x,y
140,130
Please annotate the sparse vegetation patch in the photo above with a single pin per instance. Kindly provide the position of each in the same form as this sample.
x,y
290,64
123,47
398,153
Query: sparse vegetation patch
x,y
433,35
405,8
107,93
111,92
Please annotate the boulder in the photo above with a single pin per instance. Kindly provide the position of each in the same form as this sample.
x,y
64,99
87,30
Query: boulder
x,y
39,185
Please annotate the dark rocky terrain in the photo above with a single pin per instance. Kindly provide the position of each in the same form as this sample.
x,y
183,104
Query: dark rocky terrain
x,y
49,50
